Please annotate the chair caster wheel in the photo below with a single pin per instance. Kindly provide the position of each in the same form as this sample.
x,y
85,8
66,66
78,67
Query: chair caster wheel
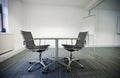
x,y
45,71
30,63
29,70
44,60
82,67
66,60
68,70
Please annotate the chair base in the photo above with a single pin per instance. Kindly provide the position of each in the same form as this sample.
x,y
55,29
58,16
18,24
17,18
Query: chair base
x,y
30,68
42,63
67,63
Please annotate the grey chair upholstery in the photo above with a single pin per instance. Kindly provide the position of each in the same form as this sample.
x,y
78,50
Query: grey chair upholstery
x,y
29,43
80,42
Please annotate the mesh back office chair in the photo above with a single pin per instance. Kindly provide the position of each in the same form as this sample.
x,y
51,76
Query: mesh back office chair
x,y
29,42
80,42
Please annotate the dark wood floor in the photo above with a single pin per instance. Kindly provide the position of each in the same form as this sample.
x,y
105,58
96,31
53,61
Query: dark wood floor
x,y
101,63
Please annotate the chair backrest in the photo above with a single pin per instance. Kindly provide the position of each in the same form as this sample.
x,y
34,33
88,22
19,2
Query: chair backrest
x,y
81,39
29,42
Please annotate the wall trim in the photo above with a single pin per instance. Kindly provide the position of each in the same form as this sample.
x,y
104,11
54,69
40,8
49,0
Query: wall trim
x,y
10,54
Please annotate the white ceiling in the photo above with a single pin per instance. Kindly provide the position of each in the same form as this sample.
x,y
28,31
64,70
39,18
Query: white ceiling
x,y
77,3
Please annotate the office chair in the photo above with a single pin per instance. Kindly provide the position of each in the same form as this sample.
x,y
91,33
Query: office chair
x,y
29,42
80,42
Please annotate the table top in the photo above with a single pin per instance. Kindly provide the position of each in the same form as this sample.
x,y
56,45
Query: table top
x,y
55,38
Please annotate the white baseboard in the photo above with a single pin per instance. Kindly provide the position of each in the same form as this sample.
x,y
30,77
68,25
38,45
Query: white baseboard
x,y
104,45
10,54
107,45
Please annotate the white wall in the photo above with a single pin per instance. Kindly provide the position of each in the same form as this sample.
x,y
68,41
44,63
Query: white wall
x,y
106,28
63,21
15,21
53,20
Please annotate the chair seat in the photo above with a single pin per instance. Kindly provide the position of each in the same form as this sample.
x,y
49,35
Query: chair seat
x,y
40,48
71,48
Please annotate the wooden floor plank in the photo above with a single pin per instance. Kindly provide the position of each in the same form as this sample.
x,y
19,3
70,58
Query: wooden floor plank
x,y
101,63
